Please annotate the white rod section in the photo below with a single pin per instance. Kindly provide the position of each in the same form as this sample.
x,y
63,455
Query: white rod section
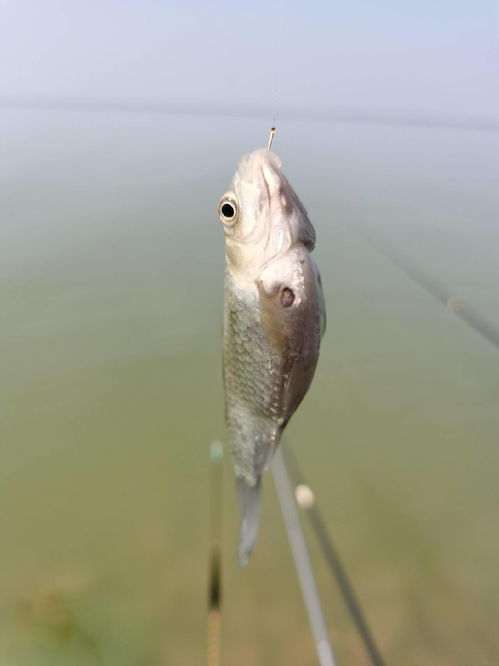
x,y
302,561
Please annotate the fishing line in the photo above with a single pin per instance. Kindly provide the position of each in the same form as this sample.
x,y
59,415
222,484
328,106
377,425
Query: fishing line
x,y
334,563
432,286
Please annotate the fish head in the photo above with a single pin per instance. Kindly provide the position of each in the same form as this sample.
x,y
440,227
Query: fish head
x,y
261,214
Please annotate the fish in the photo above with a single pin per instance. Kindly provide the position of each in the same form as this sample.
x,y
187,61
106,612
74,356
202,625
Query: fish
x,y
273,322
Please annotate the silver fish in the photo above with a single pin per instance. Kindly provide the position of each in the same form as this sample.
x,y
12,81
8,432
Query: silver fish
x,y
274,318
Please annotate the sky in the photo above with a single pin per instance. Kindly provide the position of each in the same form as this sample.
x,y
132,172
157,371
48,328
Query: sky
x,y
422,57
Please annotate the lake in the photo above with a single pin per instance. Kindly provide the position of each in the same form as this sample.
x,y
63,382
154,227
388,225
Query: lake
x,y
111,269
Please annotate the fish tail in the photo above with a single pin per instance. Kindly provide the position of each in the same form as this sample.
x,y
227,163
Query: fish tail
x,y
250,501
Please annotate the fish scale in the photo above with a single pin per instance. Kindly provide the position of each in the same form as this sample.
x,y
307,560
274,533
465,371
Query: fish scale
x,y
273,321
253,382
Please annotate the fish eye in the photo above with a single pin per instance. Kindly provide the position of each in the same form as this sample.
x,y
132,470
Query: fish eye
x,y
227,210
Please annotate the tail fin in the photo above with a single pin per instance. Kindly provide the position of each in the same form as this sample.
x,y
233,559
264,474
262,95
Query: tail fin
x,y
250,502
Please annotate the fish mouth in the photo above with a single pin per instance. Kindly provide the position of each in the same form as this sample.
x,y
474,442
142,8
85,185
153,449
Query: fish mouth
x,y
259,164
275,213
259,175
260,172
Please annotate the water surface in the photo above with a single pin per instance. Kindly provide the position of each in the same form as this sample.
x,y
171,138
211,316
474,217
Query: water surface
x,y
111,265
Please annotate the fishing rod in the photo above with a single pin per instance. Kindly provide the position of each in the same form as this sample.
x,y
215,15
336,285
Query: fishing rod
x,y
298,547
305,496
307,501
302,560
213,656
432,286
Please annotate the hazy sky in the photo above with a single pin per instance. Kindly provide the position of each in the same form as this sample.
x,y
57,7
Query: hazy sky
x,y
422,56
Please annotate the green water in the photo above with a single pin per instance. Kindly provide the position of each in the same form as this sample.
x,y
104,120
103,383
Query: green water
x,y
111,266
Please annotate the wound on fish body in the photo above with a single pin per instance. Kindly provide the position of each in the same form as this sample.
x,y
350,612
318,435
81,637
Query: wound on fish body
x,y
287,297
274,318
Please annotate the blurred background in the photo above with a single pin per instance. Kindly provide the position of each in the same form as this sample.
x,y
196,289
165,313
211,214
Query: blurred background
x,y
121,124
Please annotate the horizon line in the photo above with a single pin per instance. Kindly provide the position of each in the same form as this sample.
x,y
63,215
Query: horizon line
x,y
353,115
